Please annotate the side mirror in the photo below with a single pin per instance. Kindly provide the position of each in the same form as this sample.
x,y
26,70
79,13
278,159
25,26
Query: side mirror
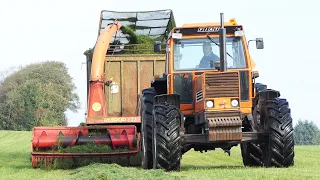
x,y
157,46
255,74
259,43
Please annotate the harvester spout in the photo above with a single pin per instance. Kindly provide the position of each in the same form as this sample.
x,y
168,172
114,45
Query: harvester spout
x,y
97,101
100,50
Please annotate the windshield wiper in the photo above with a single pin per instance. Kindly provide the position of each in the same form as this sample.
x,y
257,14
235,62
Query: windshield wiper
x,y
217,44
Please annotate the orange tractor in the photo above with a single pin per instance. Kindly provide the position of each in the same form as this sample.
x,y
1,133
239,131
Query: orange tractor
x,y
208,98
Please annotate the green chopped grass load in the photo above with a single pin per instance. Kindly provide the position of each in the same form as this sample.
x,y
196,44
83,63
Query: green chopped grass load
x,y
145,43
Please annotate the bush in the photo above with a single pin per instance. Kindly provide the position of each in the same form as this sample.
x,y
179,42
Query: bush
x,y
37,95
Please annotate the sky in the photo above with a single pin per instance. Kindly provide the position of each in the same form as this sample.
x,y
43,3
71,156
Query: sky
x,y
39,30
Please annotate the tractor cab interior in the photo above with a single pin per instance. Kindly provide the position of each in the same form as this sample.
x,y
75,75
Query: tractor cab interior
x,y
188,53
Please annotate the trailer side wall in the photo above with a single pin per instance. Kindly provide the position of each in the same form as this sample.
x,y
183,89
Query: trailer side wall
x,y
130,74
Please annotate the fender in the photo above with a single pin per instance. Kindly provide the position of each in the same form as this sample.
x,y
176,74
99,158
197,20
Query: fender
x,y
172,99
96,97
265,94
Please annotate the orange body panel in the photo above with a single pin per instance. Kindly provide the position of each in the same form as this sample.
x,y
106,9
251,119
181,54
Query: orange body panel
x,y
198,88
96,101
246,110
187,108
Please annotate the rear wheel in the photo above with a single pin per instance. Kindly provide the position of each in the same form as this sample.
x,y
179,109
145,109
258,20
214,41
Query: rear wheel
x,y
166,146
146,127
251,154
279,147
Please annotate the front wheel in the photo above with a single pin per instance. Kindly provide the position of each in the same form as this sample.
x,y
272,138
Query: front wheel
x,y
166,137
279,147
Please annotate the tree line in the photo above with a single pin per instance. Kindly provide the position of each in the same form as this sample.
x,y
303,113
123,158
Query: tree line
x,y
306,133
39,94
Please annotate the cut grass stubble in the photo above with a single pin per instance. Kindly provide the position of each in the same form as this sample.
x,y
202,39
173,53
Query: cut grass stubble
x,y
15,164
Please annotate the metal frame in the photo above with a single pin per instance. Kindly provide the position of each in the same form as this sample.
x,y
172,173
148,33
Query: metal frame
x,y
131,18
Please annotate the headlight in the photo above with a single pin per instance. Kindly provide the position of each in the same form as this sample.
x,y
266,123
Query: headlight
x,y
234,103
209,104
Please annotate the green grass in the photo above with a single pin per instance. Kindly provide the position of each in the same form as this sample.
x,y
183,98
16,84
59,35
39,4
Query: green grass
x,y
15,164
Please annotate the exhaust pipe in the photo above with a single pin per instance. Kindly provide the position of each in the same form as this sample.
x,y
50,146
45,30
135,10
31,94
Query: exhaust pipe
x,y
222,42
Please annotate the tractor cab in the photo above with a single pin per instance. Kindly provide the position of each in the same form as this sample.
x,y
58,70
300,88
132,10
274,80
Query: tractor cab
x,y
202,54
208,63
196,47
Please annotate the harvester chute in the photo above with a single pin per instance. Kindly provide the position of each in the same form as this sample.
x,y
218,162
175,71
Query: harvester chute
x,y
123,140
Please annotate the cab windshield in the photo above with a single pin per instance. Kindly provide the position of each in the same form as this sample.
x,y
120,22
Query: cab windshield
x,y
202,53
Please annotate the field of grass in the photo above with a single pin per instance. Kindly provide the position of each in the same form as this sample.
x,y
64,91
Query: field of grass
x,y
15,164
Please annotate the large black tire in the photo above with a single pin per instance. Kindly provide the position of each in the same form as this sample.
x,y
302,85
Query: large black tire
x,y
166,145
146,127
279,148
252,153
